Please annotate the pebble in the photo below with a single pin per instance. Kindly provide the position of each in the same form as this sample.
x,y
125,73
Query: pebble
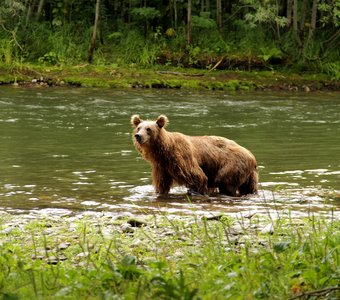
x,y
235,230
7,230
63,246
213,217
37,257
49,231
136,223
82,255
127,228
52,260
269,229
306,89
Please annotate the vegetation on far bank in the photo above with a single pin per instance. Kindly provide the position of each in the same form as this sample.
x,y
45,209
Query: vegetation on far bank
x,y
87,75
110,43
101,256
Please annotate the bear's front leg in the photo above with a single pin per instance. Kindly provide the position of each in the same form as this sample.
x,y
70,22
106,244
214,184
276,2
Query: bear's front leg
x,y
162,181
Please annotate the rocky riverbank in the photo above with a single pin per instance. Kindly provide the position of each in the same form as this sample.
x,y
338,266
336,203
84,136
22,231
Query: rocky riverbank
x,y
99,255
47,237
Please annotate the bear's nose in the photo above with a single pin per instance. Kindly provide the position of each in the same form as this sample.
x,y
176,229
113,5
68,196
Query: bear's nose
x,y
138,137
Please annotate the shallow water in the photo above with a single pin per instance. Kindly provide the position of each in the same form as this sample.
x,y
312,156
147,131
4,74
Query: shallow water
x,y
66,150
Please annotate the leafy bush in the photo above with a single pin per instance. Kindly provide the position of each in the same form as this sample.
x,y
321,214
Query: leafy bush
x,y
332,69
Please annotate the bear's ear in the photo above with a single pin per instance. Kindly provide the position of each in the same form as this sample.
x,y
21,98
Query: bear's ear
x,y
135,120
162,121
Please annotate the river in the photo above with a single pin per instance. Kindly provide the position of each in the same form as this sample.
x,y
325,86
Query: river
x,y
66,150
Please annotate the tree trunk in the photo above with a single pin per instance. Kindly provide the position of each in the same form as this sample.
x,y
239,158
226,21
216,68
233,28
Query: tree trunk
x,y
313,20
205,5
40,6
189,37
94,34
29,10
295,23
303,15
219,15
175,15
295,15
289,13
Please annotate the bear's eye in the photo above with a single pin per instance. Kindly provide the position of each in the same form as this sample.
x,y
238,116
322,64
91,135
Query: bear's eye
x,y
148,129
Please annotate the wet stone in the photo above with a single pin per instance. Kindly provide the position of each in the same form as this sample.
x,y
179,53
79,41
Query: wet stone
x,y
235,230
168,233
136,222
37,257
82,255
269,229
49,231
213,217
63,246
62,257
250,215
7,230
127,228
234,240
52,260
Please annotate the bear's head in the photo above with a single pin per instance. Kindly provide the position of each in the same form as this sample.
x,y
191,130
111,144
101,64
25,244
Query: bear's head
x,y
146,132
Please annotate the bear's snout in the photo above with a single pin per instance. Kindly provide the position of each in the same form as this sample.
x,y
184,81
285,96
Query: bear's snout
x,y
138,138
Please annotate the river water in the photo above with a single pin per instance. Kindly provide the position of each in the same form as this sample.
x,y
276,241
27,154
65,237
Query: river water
x,y
66,150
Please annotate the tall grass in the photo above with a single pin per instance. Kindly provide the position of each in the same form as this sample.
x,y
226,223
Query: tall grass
x,y
169,258
7,54
67,44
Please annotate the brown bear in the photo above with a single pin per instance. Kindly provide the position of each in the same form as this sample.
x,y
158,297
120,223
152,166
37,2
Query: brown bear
x,y
201,163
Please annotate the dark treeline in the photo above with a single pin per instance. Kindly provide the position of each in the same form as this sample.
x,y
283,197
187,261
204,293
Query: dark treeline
x,y
245,34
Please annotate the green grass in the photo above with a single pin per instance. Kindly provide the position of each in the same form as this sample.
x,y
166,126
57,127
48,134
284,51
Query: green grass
x,y
113,76
181,258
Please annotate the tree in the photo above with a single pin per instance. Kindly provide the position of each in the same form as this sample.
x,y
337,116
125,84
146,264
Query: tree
x,y
189,19
219,14
94,33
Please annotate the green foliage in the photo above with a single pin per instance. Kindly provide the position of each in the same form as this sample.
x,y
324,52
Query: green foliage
x,y
62,45
332,69
194,53
264,13
196,259
270,54
330,11
139,35
7,51
10,12
50,57
203,21
173,288
58,12
145,13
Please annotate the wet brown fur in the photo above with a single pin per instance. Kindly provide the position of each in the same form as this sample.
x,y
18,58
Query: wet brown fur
x,y
200,163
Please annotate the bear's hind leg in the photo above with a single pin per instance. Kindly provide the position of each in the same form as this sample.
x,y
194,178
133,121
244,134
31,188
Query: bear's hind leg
x,y
227,181
228,190
197,184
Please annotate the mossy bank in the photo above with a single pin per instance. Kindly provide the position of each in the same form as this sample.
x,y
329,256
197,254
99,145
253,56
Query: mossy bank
x,y
162,77
105,256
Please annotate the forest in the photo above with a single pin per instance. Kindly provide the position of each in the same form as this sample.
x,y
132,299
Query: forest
x,y
299,35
